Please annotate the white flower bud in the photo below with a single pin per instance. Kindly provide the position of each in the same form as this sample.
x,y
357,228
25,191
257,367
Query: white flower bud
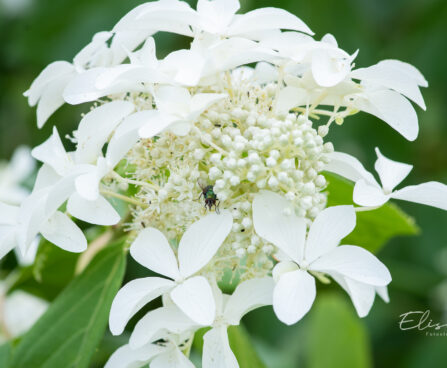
x,y
198,153
214,173
270,162
309,188
215,158
306,202
320,181
273,182
234,180
246,222
323,130
241,163
283,177
253,158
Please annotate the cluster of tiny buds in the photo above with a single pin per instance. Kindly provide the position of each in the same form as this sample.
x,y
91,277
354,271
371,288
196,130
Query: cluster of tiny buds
x,y
238,147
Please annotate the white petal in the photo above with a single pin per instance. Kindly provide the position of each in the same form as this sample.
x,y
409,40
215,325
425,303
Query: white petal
x,y
348,167
126,135
202,240
152,250
51,99
393,109
195,298
31,218
132,297
52,72
8,239
391,172
156,322
286,231
383,293
125,357
172,358
83,87
384,75
22,163
328,229
288,98
267,18
96,127
185,66
327,70
155,123
354,262
362,295
201,101
52,153
46,176
215,16
98,212
293,296
173,100
216,350
87,185
369,195
431,194
9,214
248,296
64,233
408,69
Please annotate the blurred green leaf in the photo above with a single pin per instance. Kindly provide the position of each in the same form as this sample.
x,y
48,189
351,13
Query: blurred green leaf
x,y
243,349
52,270
374,228
71,329
5,354
337,337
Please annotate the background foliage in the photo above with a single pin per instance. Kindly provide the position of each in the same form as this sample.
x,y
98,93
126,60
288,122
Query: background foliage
x,y
34,33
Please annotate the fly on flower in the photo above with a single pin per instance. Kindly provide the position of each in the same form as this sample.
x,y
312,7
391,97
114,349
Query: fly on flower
x,y
209,196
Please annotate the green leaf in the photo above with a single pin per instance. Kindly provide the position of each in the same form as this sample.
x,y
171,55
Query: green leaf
x,y
52,270
5,354
71,329
243,349
337,337
374,228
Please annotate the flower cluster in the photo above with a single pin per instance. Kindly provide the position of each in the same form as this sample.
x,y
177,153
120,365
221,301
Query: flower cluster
x,y
216,155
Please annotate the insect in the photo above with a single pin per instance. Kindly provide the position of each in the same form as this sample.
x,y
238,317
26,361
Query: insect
x,y
209,196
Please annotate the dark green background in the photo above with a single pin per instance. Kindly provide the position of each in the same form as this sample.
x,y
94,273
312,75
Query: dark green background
x,y
414,31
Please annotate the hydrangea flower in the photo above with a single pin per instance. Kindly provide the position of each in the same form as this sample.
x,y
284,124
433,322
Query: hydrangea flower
x,y
354,268
190,292
368,192
226,126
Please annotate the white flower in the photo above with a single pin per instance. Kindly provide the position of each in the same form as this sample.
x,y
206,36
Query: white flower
x,y
358,271
192,294
177,110
368,192
13,174
20,311
162,354
302,55
46,90
219,17
249,295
